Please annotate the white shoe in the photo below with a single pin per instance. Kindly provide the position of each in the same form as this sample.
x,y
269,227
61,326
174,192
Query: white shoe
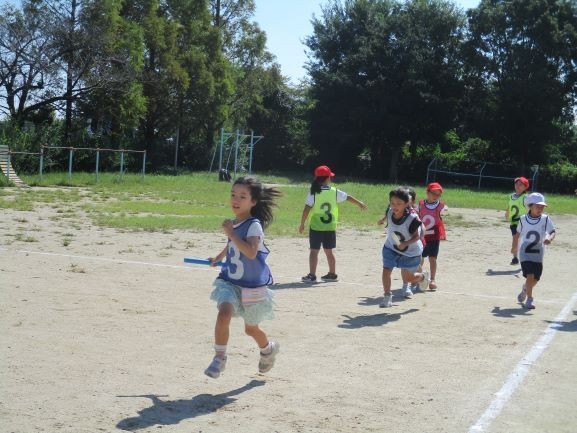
x,y
216,367
387,301
424,283
267,361
408,293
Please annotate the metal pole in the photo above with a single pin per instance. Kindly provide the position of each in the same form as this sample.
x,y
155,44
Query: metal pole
x,y
70,164
250,152
176,150
481,175
8,167
97,163
221,145
121,163
143,163
236,152
41,169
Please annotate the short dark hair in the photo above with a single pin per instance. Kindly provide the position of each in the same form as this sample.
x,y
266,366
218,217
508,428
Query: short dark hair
x,y
400,193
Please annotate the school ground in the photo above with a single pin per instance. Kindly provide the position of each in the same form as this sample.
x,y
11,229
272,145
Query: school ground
x,y
108,331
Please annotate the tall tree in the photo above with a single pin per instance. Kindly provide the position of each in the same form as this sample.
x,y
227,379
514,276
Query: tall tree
x,y
523,55
385,74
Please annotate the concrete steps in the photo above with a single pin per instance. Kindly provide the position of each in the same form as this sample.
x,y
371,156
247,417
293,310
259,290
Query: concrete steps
x,y
8,170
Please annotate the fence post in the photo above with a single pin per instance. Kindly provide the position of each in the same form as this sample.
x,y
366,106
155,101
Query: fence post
x,y
41,169
481,175
97,162
8,166
71,150
143,163
121,162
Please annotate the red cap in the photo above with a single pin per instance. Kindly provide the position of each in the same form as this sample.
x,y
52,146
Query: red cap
x,y
523,180
324,171
433,186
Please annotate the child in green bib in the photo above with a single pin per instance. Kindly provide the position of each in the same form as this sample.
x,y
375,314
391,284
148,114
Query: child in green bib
x,y
322,204
516,208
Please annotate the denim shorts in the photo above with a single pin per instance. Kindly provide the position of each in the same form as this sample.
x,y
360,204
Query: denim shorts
x,y
392,259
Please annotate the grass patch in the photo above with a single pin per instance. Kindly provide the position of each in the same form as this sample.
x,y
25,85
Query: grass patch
x,y
199,202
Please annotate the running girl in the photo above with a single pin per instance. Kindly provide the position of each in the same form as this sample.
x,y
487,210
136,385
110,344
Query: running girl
x,y
403,246
515,209
430,212
241,289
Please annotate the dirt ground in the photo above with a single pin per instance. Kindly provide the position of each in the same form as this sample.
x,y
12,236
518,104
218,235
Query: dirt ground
x,y
107,331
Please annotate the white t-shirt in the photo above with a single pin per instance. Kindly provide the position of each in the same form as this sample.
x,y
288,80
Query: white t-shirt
x,y
341,196
256,230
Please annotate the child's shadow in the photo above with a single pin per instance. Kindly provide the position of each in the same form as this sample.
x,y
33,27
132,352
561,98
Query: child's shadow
x,y
509,312
372,320
565,326
172,412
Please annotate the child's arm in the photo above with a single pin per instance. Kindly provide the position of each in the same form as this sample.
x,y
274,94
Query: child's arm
x,y
304,216
359,203
248,248
218,258
415,237
549,238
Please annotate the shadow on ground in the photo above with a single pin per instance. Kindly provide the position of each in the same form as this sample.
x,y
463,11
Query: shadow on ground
x,y
373,319
163,413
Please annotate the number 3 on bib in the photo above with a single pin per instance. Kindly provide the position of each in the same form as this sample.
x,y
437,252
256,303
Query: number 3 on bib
x,y
236,267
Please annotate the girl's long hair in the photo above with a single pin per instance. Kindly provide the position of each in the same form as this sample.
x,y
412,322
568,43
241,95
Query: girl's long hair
x,y
265,198
317,184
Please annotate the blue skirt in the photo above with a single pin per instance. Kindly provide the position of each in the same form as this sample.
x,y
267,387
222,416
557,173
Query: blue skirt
x,y
253,313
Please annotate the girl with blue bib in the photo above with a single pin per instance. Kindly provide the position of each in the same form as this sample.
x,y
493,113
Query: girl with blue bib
x,y
241,289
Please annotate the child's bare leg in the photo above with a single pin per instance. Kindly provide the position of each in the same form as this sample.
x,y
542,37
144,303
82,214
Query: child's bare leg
x,y
222,327
530,282
433,267
386,278
313,261
257,334
331,260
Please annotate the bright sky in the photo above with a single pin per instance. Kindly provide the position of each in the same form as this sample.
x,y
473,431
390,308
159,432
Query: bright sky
x,y
288,22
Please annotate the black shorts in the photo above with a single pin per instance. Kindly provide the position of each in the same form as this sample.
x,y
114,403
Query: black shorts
x,y
431,249
513,228
535,268
328,239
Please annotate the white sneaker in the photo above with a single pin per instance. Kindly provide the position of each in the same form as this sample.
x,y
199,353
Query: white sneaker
x,y
523,295
387,301
216,367
408,293
267,361
424,283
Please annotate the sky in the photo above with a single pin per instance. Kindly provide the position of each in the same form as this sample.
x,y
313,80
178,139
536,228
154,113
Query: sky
x,y
288,22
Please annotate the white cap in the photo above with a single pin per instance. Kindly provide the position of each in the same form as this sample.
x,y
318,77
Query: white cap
x,y
535,198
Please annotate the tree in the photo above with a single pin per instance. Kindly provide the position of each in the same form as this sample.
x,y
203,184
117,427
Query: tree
x,y
384,74
523,55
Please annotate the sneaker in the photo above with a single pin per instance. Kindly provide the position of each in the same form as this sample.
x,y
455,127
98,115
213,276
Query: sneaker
x,y
309,278
515,261
216,367
387,301
414,287
424,283
330,277
267,361
523,295
407,292
528,305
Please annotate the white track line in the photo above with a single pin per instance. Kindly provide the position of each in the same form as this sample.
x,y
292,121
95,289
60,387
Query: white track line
x,y
105,259
518,375
208,268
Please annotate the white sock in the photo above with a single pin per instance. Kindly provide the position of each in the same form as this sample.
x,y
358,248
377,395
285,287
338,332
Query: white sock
x,y
220,350
268,349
